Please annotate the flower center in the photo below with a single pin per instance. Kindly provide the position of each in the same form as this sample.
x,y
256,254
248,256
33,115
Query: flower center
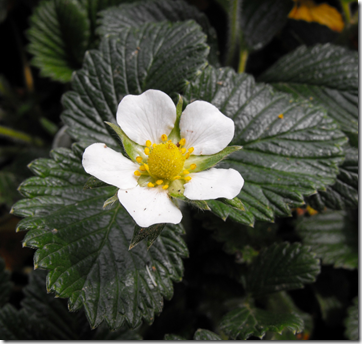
x,y
165,163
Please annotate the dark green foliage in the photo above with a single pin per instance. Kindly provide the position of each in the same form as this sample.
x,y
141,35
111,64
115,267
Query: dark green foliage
x,y
351,322
262,19
77,240
282,158
5,284
59,36
327,75
247,321
43,317
280,267
333,236
113,20
344,193
201,334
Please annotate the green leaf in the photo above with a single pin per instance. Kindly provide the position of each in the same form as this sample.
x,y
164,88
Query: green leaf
x,y
5,284
344,193
283,303
262,19
246,321
173,337
85,248
201,334
113,20
281,266
244,239
151,233
333,237
155,56
236,212
12,324
282,158
351,322
59,36
44,318
327,75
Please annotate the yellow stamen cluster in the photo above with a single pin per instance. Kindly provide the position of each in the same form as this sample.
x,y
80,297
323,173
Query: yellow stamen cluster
x,y
165,162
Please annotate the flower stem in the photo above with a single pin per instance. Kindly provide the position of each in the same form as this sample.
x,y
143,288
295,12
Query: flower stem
x,y
346,11
20,136
242,61
234,30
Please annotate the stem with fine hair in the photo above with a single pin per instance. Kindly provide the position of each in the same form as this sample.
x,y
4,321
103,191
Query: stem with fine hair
x,y
233,30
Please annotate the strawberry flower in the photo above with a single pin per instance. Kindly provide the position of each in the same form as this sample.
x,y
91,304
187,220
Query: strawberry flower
x,y
172,154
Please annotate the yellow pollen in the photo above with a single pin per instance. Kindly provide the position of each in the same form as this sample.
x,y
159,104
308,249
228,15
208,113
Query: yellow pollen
x,y
142,168
139,159
182,142
193,166
164,137
147,151
148,143
165,187
187,179
150,185
183,150
165,161
185,172
137,173
154,145
176,177
159,182
187,155
191,149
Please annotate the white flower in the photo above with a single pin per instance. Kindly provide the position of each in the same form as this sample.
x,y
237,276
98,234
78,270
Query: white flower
x,y
169,149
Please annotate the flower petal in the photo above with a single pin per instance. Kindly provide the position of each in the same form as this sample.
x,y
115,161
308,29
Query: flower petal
x,y
109,166
205,128
147,116
149,206
214,183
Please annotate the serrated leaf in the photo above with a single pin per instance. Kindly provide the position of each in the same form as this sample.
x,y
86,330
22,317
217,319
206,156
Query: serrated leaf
x,y
44,318
351,322
59,35
333,237
85,248
12,324
262,19
113,20
159,56
246,321
327,75
201,334
290,149
344,193
283,303
281,266
5,284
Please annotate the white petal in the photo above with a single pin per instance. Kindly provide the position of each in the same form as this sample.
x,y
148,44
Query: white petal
x,y
205,128
147,116
149,206
214,183
109,166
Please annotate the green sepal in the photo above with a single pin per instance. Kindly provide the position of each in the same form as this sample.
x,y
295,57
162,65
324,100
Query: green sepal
x,y
177,189
235,202
93,182
151,233
132,149
175,133
204,162
110,201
